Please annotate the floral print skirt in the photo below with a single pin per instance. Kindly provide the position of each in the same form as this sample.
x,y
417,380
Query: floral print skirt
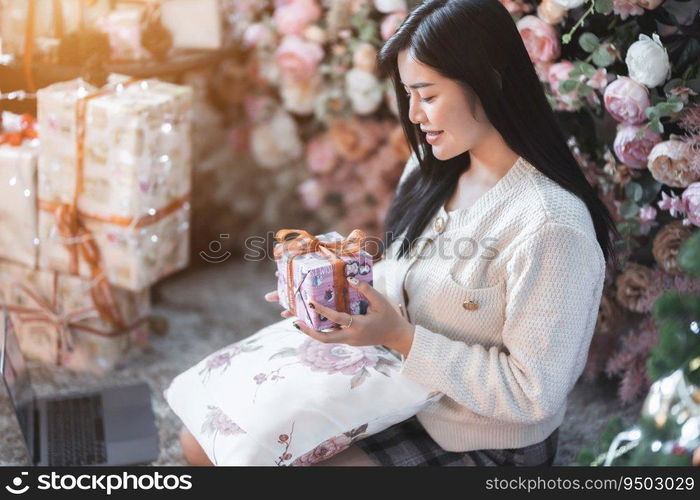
x,y
408,444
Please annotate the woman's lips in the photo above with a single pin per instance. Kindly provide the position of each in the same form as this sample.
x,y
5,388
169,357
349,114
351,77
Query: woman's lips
x,y
433,137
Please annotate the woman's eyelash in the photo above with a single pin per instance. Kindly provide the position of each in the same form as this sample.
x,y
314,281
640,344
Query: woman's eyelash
x,y
427,99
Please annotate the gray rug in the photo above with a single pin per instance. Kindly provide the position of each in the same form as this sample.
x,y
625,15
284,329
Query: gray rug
x,y
212,306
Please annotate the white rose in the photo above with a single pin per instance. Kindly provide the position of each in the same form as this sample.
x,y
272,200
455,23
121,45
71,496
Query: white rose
x,y
647,61
569,4
300,97
364,90
276,142
389,6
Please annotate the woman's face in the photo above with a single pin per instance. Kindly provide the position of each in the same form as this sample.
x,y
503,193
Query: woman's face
x,y
439,104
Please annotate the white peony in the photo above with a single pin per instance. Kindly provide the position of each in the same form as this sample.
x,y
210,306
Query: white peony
x,y
300,97
276,142
364,90
569,4
389,6
647,61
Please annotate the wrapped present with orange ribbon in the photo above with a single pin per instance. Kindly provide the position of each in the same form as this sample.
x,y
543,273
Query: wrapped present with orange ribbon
x,y
114,179
317,268
19,150
58,322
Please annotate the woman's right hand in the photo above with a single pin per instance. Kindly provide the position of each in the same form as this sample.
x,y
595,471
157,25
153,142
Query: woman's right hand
x,y
274,297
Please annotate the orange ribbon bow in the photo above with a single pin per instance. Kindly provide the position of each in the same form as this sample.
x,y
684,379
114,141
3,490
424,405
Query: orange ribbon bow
x,y
26,132
306,242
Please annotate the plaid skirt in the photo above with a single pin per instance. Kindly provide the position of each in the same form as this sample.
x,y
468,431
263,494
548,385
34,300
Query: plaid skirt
x,y
408,444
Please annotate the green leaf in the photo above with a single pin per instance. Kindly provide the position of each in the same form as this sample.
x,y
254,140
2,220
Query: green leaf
x,y
603,6
634,191
629,209
585,90
666,108
567,86
656,126
602,58
588,42
652,112
566,38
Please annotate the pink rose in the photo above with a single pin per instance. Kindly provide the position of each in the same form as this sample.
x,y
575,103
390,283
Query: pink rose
x,y
625,8
626,100
298,59
633,151
293,16
311,194
540,39
391,23
324,451
550,12
516,7
336,358
599,80
691,200
558,72
321,156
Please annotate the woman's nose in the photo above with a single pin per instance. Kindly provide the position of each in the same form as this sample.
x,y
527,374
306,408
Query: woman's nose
x,y
415,113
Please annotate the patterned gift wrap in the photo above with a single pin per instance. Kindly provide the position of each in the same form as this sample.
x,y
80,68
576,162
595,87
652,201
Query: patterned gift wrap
x,y
115,179
316,268
57,321
19,149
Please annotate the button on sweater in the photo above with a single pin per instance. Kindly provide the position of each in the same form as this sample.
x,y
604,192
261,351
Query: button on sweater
x,y
504,297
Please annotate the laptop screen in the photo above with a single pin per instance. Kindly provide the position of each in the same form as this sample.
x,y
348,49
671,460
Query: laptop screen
x,y
16,376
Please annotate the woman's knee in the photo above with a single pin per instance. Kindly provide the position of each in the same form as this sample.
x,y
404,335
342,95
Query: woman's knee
x,y
194,454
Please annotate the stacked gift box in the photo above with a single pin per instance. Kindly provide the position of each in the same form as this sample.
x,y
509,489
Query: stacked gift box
x,y
93,212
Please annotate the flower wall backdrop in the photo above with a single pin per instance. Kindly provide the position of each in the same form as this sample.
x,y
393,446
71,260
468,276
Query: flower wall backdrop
x,y
621,74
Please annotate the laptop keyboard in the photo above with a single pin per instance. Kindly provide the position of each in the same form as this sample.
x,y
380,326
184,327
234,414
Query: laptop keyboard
x,y
76,431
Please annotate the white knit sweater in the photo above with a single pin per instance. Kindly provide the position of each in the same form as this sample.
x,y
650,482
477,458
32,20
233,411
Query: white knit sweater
x,y
526,255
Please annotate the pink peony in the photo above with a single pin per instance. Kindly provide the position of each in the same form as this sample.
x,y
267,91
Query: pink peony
x,y
626,100
293,16
324,451
298,59
321,156
633,151
336,358
691,200
391,23
540,39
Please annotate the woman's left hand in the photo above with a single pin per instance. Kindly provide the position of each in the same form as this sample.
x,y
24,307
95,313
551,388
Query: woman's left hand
x,y
382,325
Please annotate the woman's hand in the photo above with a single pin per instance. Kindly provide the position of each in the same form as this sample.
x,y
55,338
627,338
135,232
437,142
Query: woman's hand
x,y
274,297
382,325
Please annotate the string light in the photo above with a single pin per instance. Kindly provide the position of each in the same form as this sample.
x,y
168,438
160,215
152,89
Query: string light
x,y
17,95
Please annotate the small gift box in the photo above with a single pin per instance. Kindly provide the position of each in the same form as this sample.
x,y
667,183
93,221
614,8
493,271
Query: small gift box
x,y
58,319
115,179
316,268
19,149
124,30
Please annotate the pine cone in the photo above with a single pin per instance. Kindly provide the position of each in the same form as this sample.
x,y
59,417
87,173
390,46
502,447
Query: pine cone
x,y
667,243
610,314
632,286
156,38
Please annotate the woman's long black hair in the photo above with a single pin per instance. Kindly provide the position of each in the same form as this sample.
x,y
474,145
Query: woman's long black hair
x,y
476,43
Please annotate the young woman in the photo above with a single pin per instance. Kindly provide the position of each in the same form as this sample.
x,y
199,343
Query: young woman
x,y
496,249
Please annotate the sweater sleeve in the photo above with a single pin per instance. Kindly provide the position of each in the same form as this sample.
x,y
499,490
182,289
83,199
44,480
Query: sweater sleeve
x,y
554,286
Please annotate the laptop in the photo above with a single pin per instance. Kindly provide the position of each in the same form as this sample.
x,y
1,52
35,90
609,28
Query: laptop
x,y
109,426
